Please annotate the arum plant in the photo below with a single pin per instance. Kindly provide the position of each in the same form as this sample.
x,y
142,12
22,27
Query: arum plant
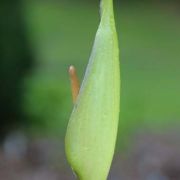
x,y
92,129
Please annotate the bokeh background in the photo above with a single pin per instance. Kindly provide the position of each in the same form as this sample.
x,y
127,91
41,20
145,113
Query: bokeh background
x,y
40,39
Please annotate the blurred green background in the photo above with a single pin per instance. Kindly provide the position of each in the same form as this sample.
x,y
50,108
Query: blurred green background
x,y
41,39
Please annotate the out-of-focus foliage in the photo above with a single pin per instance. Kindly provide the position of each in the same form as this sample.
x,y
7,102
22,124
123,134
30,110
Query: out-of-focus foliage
x,y
61,33
14,61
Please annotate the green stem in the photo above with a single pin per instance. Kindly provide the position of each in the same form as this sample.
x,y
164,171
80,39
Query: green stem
x,y
92,129
107,12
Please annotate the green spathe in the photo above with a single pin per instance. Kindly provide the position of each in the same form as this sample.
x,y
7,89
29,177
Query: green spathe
x,y
92,129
